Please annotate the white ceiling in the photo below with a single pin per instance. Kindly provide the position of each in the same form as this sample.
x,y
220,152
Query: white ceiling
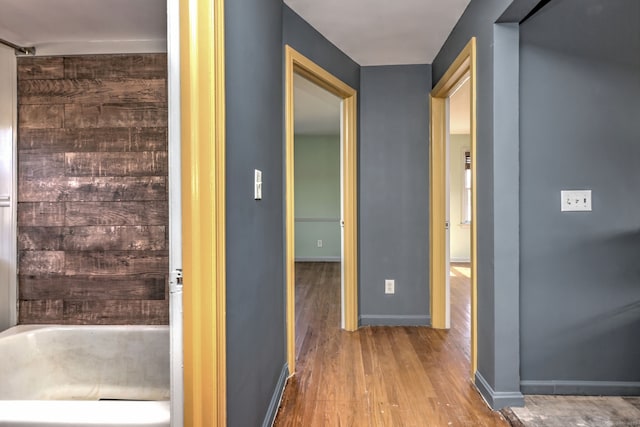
x,y
371,32
50,24
383,32
315,110
460,110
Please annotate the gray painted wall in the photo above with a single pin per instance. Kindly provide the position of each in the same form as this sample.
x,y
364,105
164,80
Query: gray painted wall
x,y
394,158
301,36
255,250
497,192
580,276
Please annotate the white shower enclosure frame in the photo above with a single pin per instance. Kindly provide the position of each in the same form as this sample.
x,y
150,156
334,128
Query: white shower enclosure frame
x,y
8,188
175,213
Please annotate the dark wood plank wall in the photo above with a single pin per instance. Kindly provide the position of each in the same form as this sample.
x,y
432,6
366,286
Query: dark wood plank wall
x,y
92,189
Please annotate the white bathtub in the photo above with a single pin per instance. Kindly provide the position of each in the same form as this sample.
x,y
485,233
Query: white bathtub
x,y
99,376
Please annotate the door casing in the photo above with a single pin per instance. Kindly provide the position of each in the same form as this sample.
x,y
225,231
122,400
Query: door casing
x,y
296,63
202,93
463,65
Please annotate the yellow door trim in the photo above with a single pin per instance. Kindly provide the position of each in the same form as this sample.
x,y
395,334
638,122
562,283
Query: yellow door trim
x,y
203,210
463,65
296,63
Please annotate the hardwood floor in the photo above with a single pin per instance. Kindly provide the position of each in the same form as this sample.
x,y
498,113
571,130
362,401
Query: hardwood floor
x,y
378,376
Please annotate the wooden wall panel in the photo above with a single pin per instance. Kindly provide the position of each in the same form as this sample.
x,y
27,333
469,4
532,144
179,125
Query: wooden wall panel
x,y
92,140
40,166
114,115
115,238
117,213
40,311
116,263
41,68
92,189
99,189
41,213
92,288
87,91
116,164
40,239
40,116
41,263
95,238
91,312
115,67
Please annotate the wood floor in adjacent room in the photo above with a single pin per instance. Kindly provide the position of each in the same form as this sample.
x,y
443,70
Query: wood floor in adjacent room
x,y
379,376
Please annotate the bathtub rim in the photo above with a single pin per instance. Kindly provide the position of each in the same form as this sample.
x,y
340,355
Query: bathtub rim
x,y
26,328
101,413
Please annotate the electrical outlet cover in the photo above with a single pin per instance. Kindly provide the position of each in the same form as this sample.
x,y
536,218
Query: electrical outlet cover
x,y
575,200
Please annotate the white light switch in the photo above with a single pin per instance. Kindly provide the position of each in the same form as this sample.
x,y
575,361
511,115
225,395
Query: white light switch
x,y
257,189
575,200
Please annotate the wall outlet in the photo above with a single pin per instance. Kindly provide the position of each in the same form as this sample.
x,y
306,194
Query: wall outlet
x,y
319,243
389,286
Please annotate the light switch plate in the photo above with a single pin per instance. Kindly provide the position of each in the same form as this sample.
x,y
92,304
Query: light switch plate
x,y
257,187
575,200
389,286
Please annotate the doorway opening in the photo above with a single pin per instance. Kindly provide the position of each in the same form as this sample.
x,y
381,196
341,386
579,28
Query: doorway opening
x,y
459,78
460,212
299,66
318,232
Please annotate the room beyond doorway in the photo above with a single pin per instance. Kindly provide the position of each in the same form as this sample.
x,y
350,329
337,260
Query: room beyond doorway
x,y
317,173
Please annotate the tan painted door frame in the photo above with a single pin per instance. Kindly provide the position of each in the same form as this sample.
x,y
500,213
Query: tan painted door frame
x,y
464,65
203,211
296,63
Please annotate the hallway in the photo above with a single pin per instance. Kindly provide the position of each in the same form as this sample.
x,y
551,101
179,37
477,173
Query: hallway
x,y
378,376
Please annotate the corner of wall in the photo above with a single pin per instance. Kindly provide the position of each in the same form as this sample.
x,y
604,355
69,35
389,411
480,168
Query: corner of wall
x,y
497,399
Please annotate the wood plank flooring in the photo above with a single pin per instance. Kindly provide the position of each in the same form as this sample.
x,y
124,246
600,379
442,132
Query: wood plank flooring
x,y
378,376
